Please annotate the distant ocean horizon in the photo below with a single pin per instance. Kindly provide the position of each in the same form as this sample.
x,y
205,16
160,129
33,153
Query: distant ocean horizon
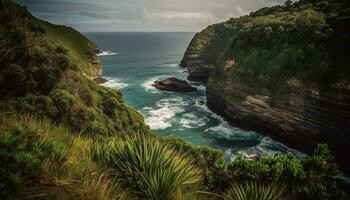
x,y
132,61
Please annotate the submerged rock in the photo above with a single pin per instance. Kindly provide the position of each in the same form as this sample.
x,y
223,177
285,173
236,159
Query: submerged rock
x,y
174,84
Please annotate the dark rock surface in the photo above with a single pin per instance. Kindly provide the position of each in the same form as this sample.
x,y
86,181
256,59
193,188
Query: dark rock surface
x,y
174,84
301,118
197,69
100,80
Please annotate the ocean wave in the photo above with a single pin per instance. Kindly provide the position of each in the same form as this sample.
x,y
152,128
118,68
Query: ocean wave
x,y
161,117
115,83
107,53
200,87
147,85
225,131
201,103
190,120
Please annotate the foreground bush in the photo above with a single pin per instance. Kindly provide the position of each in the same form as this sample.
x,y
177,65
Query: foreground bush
x,y
25,156
312,177
150,168
252,191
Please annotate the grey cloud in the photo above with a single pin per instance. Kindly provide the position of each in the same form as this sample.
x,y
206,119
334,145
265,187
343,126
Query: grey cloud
x,y
142,15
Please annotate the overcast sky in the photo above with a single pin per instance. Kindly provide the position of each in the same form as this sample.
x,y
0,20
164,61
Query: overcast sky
x,y
142,15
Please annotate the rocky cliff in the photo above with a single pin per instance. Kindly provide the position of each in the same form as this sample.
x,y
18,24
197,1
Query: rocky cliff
x,y
281,71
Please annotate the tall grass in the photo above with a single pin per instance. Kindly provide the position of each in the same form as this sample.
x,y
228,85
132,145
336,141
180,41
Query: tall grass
x,y
252,191
150,168
68,173
97,186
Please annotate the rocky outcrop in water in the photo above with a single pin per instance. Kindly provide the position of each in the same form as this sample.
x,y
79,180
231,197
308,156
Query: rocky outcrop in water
x,y
174,84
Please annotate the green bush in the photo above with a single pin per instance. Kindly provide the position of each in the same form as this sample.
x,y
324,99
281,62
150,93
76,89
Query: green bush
x,y
39,105
110,105
14,80
312,177
210,161
23,155
149,167
80,117
98,128
63,100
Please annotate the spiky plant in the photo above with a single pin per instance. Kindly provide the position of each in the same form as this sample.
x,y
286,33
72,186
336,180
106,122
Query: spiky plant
x,y
252,191
148,166
98,187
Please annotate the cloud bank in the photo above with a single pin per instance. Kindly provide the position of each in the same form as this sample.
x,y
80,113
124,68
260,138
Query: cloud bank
x,y
142,15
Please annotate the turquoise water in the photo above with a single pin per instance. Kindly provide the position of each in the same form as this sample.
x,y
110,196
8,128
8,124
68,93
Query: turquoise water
x,y
133,61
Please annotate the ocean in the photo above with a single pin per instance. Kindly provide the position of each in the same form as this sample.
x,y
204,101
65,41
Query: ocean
x,y
133,61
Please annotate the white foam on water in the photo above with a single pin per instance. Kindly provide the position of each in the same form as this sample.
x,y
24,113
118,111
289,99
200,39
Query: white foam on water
x,y
190,120
169,65
224,130
201,103
160,117
266,147
147,85
198,85
115,83
107,53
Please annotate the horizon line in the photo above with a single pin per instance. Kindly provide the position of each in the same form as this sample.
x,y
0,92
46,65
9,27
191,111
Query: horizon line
x,y
139,31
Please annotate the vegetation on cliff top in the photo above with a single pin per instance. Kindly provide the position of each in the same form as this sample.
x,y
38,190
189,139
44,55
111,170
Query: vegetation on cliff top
x,y
269,46
62,136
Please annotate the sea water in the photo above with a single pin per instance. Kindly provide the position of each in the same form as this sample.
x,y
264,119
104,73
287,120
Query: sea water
x,y
133,61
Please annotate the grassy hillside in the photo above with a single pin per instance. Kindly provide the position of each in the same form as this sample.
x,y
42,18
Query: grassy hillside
x,y
62,136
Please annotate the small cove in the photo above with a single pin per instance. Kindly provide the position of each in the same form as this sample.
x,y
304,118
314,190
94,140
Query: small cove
x,y
133,61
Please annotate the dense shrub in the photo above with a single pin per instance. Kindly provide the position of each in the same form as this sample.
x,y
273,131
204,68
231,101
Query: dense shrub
x,y
80,117
13,80
210,161
312,177
63,100
39,105
23,156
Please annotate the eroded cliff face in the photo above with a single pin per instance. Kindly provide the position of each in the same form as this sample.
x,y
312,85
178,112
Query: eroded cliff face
x,y
299,116
197,68
281,71
94,64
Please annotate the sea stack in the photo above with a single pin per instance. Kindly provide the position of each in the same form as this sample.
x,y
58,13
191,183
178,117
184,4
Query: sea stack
x,y
174,84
